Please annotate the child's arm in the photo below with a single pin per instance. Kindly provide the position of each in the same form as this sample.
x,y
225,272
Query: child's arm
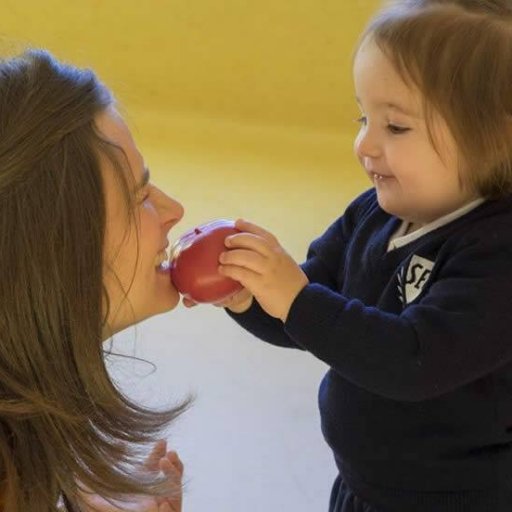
x,y
324,261
258,261
455,334
248,313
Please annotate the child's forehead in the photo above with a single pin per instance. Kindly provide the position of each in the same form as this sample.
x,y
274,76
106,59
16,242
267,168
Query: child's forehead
x,y
378,84
397,106
371,63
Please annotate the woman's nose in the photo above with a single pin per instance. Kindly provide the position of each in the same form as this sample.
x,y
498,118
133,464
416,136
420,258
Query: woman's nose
x,y
171,211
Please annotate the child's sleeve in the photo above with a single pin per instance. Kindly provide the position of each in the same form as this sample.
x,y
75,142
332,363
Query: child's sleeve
x,y
457,332
323,265
263,326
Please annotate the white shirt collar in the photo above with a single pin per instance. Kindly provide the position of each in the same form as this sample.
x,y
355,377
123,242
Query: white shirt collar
x,y
399,239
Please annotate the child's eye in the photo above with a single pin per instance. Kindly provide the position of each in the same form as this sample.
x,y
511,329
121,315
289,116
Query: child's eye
x,y
397,130
361,120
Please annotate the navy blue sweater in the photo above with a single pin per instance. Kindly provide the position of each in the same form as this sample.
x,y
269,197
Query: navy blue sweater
x,y
417,404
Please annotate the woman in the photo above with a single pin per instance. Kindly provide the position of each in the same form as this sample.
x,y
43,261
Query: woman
x,y
82,238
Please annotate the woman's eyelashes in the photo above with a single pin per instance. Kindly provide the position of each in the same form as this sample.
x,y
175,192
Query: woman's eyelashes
x,y
145,195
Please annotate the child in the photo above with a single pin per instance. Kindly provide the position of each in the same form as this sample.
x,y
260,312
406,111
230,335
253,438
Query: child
x,y
407,296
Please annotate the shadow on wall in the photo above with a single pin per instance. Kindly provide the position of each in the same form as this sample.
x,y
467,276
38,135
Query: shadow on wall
x,y
232,103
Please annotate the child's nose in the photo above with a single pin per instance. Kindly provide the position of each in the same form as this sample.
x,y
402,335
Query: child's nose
x,y
367,145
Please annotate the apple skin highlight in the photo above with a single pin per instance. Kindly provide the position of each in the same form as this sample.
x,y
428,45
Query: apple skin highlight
x,y
194,261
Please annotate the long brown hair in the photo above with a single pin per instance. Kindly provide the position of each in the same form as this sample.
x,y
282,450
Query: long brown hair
x,y
62,420
458,54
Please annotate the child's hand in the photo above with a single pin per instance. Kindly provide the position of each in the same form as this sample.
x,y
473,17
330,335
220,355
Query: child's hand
x,y
189,303
264,268
237,303
159,460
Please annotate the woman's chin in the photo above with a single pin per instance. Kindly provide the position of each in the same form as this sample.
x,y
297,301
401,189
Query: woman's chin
x,y
170,300
166,296
174,300
163,300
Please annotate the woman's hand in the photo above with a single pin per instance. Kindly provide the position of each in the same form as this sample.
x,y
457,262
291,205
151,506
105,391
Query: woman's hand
x,y
159,460
169,463
256,260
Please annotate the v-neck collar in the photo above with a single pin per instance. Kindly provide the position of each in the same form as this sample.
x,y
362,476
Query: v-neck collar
x,y
399,238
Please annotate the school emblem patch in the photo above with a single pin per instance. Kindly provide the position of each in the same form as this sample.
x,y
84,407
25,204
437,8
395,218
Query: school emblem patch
x,y
413,277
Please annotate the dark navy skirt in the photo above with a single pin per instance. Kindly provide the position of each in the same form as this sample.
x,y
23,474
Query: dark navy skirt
x,y
344,500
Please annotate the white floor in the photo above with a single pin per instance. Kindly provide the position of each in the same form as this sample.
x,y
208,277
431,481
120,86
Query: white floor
x,y
251,442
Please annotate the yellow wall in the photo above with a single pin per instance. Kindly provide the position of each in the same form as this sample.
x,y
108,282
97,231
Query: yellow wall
x,y
232,101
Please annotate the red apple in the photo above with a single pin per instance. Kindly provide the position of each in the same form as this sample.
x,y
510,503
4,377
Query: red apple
x,y
194,261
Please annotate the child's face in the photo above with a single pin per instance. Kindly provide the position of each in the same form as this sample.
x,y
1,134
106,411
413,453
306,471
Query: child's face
x,y
149,289
413,181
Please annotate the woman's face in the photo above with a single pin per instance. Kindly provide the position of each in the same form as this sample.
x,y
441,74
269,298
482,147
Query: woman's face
x,y
137,286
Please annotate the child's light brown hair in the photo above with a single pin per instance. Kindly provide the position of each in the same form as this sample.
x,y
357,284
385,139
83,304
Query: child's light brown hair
x,y
458,53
